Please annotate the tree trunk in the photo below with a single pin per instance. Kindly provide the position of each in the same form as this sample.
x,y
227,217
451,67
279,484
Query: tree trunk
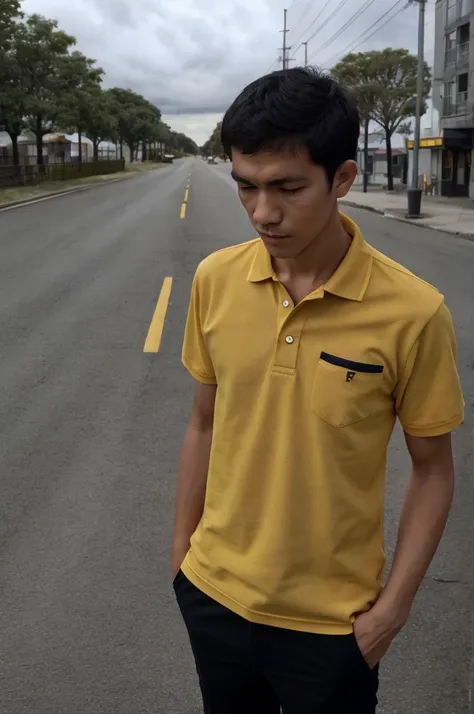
x,y
131,147
39,141
96,149
366,153
144,151
388,141
15,150
79,139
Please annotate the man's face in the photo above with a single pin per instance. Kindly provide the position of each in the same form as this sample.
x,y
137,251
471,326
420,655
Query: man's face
x,y
287,197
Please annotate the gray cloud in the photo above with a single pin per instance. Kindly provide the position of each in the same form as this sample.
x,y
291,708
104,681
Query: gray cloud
x,y
191,58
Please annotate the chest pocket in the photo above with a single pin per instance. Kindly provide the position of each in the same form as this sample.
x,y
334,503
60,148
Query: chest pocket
x,y
346,392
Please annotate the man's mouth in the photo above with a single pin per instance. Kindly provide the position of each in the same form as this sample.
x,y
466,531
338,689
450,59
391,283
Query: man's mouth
x,y
273,236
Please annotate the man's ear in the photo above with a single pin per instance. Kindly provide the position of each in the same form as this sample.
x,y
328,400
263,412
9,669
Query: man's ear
x,y
344,178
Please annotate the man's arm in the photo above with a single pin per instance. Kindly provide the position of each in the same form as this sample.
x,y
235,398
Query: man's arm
x,y
192,474
423,519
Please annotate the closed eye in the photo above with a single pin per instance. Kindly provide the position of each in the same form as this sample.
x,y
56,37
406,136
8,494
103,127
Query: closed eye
x,y
249,187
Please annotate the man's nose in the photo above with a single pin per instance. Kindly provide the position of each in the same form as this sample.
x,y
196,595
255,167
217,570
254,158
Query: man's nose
x,y
266,210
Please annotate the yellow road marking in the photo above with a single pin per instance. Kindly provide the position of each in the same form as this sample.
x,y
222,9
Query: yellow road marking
x,y
155,331
186,194
183,211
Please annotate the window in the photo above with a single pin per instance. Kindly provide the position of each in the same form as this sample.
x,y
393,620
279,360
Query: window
x,y
451,50
452,11
462,58
463,82
447,166
464,33
451,40
449,98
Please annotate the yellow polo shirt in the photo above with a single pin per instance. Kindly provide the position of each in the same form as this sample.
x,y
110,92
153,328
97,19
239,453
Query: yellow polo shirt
x,y
307,397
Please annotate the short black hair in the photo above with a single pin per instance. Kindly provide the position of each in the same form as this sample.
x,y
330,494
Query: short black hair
x,y
294,108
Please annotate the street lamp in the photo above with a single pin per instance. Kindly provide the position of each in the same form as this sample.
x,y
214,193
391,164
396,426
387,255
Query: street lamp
x,y
414,193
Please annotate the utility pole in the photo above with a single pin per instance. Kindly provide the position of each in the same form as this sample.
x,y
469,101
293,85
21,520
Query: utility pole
x,y
366,153
305,54
285,48
415,192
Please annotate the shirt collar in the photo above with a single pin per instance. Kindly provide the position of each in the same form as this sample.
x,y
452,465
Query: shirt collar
x,y
351,278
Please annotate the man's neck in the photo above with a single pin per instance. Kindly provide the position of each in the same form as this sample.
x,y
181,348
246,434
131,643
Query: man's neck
x,y
318,262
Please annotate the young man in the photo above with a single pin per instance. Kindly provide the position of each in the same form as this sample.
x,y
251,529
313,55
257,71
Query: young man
x,y
306,344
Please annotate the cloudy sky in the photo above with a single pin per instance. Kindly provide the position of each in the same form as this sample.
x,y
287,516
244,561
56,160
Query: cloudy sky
x,y
192,60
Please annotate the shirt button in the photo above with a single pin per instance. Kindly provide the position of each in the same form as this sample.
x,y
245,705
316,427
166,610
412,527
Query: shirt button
x,y
290,340
286,303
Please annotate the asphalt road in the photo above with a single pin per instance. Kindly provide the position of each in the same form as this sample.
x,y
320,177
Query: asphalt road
x,y
90,430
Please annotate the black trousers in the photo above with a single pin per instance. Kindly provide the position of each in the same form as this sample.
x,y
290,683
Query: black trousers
x,y
245,668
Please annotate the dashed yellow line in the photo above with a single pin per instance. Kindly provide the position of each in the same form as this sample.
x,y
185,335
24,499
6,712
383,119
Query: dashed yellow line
x,y
155,331
185,202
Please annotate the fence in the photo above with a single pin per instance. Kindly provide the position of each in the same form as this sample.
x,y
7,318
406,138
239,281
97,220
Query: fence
x,y
32,175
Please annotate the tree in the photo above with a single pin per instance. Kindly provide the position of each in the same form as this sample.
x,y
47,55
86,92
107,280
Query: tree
x,y
46,86
181,144
11,95
213,146
361,87
80,104
9,13
390,78
41,51
101,124
137,119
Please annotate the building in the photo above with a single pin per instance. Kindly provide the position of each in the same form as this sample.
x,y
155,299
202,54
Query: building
x,y
57,148
453,93
430,158
377,159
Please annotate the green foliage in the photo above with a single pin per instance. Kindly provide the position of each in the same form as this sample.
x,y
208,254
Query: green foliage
x,y
136,119
213,146
10,87
182,144
81,103
384,84
48,86
9,13
40,51
68,172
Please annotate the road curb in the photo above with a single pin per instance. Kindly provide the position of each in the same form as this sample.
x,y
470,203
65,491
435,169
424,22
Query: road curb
x,y
450,231
64,192
413,222
371,209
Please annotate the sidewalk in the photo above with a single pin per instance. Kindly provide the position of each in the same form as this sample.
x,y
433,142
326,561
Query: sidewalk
x,y
439,214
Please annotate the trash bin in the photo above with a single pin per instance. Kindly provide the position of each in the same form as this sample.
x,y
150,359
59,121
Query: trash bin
x,y
414,202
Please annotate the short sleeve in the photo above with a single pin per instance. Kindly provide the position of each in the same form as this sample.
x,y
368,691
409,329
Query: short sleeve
x,y
428,396
195,355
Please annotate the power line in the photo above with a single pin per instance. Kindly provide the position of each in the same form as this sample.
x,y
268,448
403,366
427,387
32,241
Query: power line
x,y
355,44
328,19
349,22
326,4
306,8
402,9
